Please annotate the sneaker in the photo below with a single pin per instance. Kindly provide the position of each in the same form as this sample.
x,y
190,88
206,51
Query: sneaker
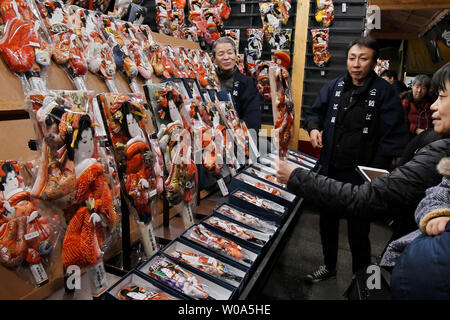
x,y
320,274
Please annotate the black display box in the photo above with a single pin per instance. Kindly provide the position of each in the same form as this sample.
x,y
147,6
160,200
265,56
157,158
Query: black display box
x,y
136,278
260,174
278,213
249,255
214,290
258,243
235,269
246,182
260,224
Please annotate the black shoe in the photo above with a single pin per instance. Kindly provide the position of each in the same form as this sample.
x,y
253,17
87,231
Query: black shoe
x,y
320,274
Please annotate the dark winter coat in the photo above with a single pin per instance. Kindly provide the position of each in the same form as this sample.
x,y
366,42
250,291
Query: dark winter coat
x,y
383,133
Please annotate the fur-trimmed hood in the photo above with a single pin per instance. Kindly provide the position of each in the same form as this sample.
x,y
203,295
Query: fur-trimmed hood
x,y
443,167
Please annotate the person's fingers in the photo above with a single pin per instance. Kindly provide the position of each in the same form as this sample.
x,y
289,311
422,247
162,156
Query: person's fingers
x,y
441,226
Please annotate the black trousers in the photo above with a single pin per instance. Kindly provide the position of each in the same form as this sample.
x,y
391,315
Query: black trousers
x,y
358,230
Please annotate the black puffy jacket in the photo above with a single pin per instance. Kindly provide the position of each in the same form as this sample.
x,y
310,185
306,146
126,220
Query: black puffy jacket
x,y
389,196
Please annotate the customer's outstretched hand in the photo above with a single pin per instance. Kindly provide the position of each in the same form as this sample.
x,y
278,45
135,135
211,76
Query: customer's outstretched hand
x,y
284,170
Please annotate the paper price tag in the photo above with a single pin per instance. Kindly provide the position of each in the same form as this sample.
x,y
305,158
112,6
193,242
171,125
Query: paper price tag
x,y
134,87
188,217
32,235
232,171
39,274
97,275
223,187
243,8
34,44
100,130
152,193
344,7
253,146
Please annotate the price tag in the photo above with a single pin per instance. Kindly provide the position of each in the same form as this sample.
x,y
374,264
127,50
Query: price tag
x,y
253,146
34,44
32,235
243,8
344,7
223,187
97,275
152,193
187,215
39,274
259,202
151,235
134,87
232,171
322,73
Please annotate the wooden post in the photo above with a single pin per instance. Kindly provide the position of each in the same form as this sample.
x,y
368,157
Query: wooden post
x,y
298,67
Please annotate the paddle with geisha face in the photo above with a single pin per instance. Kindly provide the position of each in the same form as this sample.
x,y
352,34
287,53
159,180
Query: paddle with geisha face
x,y
28,234
22,46
93,219
138,168
122,57
67,48
134,41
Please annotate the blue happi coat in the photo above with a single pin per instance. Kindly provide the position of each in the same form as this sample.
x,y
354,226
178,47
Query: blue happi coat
x,y
384,133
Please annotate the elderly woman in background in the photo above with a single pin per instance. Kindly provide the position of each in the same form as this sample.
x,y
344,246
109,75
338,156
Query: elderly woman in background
x,y
416,104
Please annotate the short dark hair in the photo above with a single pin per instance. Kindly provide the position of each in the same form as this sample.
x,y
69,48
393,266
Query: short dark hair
x,y
368,43
441,77
389,74
223,40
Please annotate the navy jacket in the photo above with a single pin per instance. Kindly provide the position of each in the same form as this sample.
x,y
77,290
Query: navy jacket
x,y
247,100
384,134
423,269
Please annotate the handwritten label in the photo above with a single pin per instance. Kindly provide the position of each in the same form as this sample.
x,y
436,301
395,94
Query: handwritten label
x,y
188,217
100,130
152,193
39,274
32,235
253,146
151,235
223,187
97,274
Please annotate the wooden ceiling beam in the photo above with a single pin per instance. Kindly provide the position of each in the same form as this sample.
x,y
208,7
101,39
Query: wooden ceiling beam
x,y
409,4
393,35
434,21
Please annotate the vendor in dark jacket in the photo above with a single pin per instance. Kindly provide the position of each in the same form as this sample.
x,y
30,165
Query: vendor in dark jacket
x,y
242,88
392,195
363,124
